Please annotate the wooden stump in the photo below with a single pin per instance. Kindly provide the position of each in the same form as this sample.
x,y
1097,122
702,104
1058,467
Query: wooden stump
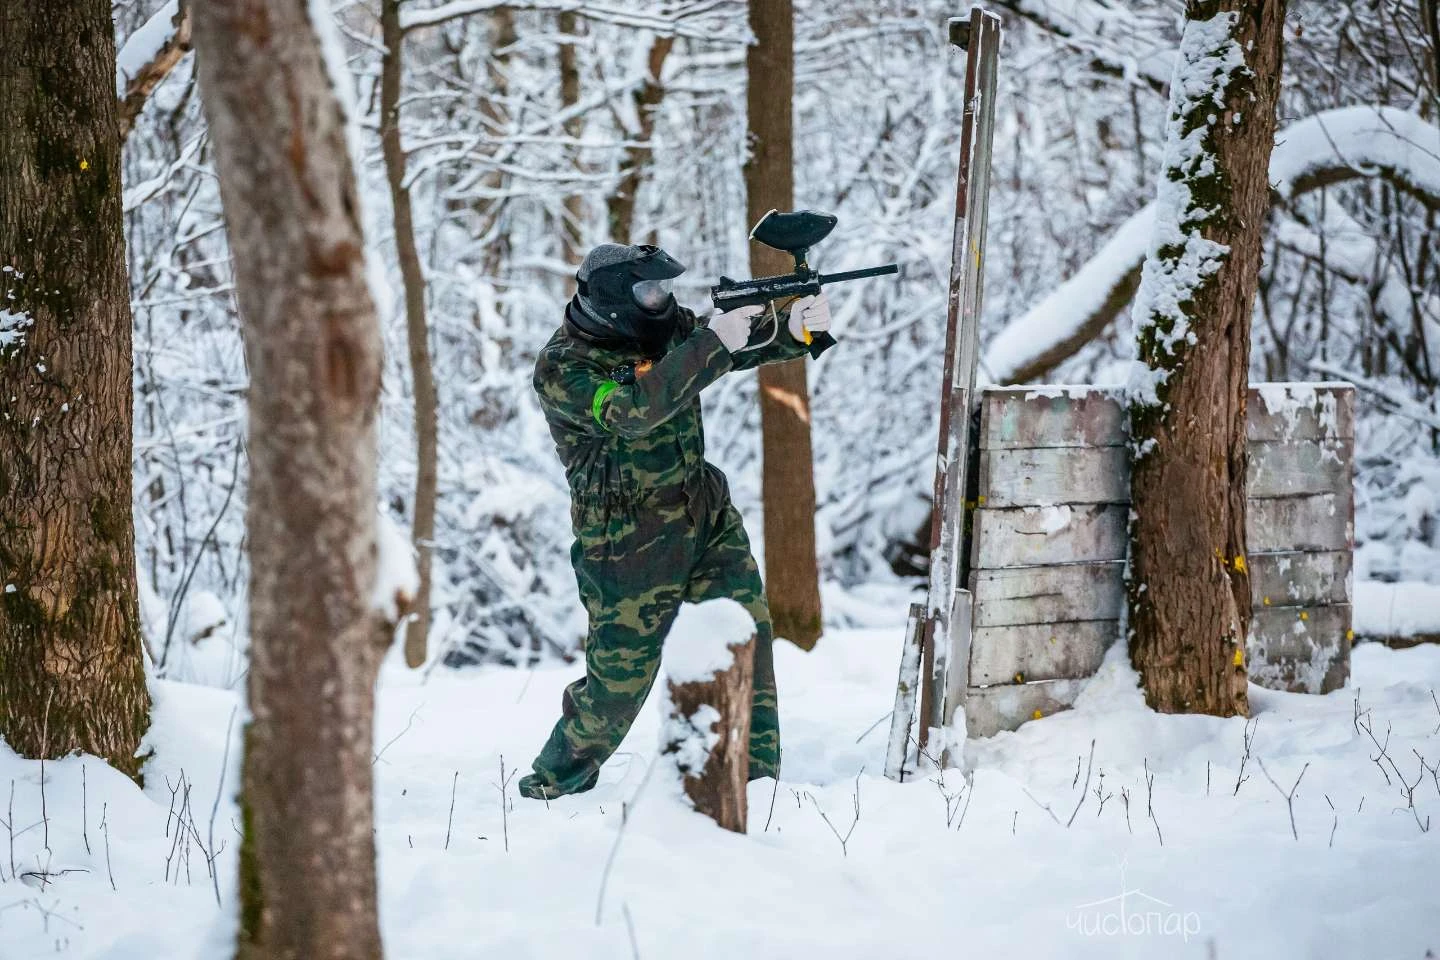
x,y
710,660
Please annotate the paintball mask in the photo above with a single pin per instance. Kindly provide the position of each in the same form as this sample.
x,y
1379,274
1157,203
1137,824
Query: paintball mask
x,y
624,294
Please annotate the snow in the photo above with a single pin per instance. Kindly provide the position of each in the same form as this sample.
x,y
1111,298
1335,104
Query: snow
x,y
144,44
13,327
698,646
1209,57
1405,609
396,577
1003,880
1108,32
1364,138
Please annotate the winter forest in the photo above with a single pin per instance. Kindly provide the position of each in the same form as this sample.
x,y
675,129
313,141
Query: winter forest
x,y
505,575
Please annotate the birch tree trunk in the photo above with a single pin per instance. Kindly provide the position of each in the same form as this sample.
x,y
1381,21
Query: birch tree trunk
x,y
1189,590
792,573
416,327
71,669
313,347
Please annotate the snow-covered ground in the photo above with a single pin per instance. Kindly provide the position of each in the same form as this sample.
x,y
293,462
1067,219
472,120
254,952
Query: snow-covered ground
x,y
930,868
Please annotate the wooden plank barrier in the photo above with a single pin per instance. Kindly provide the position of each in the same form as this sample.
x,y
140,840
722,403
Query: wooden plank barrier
x,y
1049,543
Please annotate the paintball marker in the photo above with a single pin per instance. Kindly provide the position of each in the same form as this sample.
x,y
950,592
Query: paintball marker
x,y
795,233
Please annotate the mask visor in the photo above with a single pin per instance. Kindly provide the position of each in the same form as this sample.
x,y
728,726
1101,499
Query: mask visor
x,y
652,295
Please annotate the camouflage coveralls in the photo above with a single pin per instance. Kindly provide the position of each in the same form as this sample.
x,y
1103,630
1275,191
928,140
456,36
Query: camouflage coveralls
x,y
654,526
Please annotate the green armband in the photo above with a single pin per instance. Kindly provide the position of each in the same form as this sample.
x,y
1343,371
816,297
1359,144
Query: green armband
x,y
605,389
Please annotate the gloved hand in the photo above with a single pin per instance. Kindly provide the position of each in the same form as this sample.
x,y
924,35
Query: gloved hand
x,y
733,327
809,314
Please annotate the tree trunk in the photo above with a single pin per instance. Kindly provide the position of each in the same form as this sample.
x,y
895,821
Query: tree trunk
x,y
707,721
1189,590
313,348
71,669
416,327
637,158
792,574
570,229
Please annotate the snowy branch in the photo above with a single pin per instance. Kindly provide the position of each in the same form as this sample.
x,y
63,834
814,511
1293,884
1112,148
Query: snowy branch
x,y
1323,150
147,58
667,24
1091,28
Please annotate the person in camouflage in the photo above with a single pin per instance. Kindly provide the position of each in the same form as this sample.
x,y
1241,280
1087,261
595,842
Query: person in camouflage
x,y
620,386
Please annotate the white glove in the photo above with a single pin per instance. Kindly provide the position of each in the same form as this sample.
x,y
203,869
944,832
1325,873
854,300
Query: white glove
x,y
809,315
733,327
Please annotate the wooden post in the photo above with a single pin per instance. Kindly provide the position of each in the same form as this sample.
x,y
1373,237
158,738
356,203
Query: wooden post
x,y
905,690
710,663
946,641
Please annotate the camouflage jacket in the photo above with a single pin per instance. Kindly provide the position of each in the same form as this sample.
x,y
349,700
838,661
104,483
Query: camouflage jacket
x,y
627,427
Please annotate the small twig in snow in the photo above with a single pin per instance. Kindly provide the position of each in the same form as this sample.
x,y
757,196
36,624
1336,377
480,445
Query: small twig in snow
x,y
619,835
774,789
503,786
84,805
215,807
397,736
1085,789
105,829
1289,797
1249,736
1101,795
1042,806
871,729
450,821
845,840
1125,799
1335,823
630,928
44,749
1150,800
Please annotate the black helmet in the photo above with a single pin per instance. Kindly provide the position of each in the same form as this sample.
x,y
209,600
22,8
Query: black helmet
x,y
624,294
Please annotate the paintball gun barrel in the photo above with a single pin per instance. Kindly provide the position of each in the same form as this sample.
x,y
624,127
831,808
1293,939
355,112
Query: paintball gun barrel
x,y
795,233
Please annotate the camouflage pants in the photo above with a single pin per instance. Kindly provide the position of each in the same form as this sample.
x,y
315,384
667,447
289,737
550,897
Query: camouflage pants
x,y
635,567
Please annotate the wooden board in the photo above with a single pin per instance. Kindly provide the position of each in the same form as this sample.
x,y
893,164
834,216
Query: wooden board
x,y
1023,536
1089,416
1300,649
1300,411
1040,651
1021,417
1289,579
1322,522
988,710
1077,591
1297,467
1038,476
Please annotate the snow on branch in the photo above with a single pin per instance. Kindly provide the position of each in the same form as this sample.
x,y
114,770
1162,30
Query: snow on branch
x,y
1075,312
1323,150
678,23
148,56
1113,37
1350,142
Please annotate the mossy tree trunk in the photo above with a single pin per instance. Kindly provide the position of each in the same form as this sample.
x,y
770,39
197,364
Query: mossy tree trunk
x,y
1189,589
792,573
313,348
71,668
